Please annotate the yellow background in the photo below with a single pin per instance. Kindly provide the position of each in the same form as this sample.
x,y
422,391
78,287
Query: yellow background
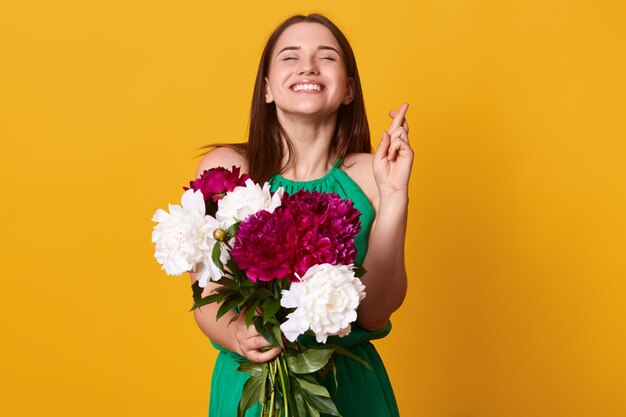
x,y
517,230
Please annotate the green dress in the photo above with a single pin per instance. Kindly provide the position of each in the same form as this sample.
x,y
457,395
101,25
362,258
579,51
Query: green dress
x,y
361,392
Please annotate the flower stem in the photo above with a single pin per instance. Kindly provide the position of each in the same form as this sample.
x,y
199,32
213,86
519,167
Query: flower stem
x,y
281,359
273,379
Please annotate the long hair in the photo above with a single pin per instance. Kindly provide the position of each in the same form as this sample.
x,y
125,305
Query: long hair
x,y
264,150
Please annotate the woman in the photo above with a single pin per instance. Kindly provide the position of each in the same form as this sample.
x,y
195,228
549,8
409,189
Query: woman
x,y
309,130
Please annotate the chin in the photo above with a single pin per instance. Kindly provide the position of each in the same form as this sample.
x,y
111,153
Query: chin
x,y
311,110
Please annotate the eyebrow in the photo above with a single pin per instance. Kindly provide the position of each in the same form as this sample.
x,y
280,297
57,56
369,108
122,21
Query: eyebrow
x,y
319,48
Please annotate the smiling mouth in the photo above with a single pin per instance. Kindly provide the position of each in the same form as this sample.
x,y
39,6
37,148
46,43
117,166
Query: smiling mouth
x,y
307,87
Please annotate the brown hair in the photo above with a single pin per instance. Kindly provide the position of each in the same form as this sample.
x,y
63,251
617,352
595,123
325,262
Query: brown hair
x,y
264,150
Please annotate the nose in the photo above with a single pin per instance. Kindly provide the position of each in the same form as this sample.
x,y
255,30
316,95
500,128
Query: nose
x,y
307,66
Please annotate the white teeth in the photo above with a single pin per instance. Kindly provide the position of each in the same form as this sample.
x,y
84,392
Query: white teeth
x,y
307,87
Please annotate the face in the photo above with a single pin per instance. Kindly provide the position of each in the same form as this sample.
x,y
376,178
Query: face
x,y
307,74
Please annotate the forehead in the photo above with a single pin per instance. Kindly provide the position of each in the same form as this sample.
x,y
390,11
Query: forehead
x,y
306,34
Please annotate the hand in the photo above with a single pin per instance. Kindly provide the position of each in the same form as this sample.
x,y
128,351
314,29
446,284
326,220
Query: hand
x,y
394,157
251,344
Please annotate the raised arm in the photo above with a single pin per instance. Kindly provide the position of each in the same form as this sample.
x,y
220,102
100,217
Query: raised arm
x,y
386,280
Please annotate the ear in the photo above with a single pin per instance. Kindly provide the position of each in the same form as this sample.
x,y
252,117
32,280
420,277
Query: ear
x,y
349,96
268,93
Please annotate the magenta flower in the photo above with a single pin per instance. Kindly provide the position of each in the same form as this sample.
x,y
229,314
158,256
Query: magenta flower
x,y
327,226
309,228
215,182
265,245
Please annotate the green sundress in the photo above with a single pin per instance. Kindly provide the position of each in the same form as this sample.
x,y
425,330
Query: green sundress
x,y
361,392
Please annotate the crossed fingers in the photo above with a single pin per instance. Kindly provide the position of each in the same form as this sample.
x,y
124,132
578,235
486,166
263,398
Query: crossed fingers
x,y
398,132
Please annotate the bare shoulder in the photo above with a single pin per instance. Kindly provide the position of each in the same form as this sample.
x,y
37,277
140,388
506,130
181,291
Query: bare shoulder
x,y
222,157
358,166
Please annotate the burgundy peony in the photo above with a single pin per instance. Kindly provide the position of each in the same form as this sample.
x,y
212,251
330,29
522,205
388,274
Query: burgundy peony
x,y
215,182
327,227
309,228
265,245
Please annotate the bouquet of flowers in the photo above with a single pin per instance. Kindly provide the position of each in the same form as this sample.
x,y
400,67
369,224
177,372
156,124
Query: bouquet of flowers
x,y
286,262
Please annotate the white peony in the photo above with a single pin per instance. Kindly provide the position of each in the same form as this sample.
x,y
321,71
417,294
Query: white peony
x,y
184,237
325,300
206,269
238,204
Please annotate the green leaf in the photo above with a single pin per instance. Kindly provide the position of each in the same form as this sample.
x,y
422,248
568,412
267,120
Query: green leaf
x,y
245,282
299,405
278,335
251,368
270,306
313,388
245,290
232,267
250,394
250,312
215,256
224,291
265,331
228,283
232,230
277,289
309,361
306,377
311,411
209,299
346,352
323,404
359,270
260,294
227,306
264,372
197,291
284,284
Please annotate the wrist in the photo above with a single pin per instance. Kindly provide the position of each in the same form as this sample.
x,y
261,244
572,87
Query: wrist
x,y
396,201
394,195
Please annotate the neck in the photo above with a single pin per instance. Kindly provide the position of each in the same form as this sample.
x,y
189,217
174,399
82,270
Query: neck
x,y
311,139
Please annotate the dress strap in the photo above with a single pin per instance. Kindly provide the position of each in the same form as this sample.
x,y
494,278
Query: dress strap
x,y
338,162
